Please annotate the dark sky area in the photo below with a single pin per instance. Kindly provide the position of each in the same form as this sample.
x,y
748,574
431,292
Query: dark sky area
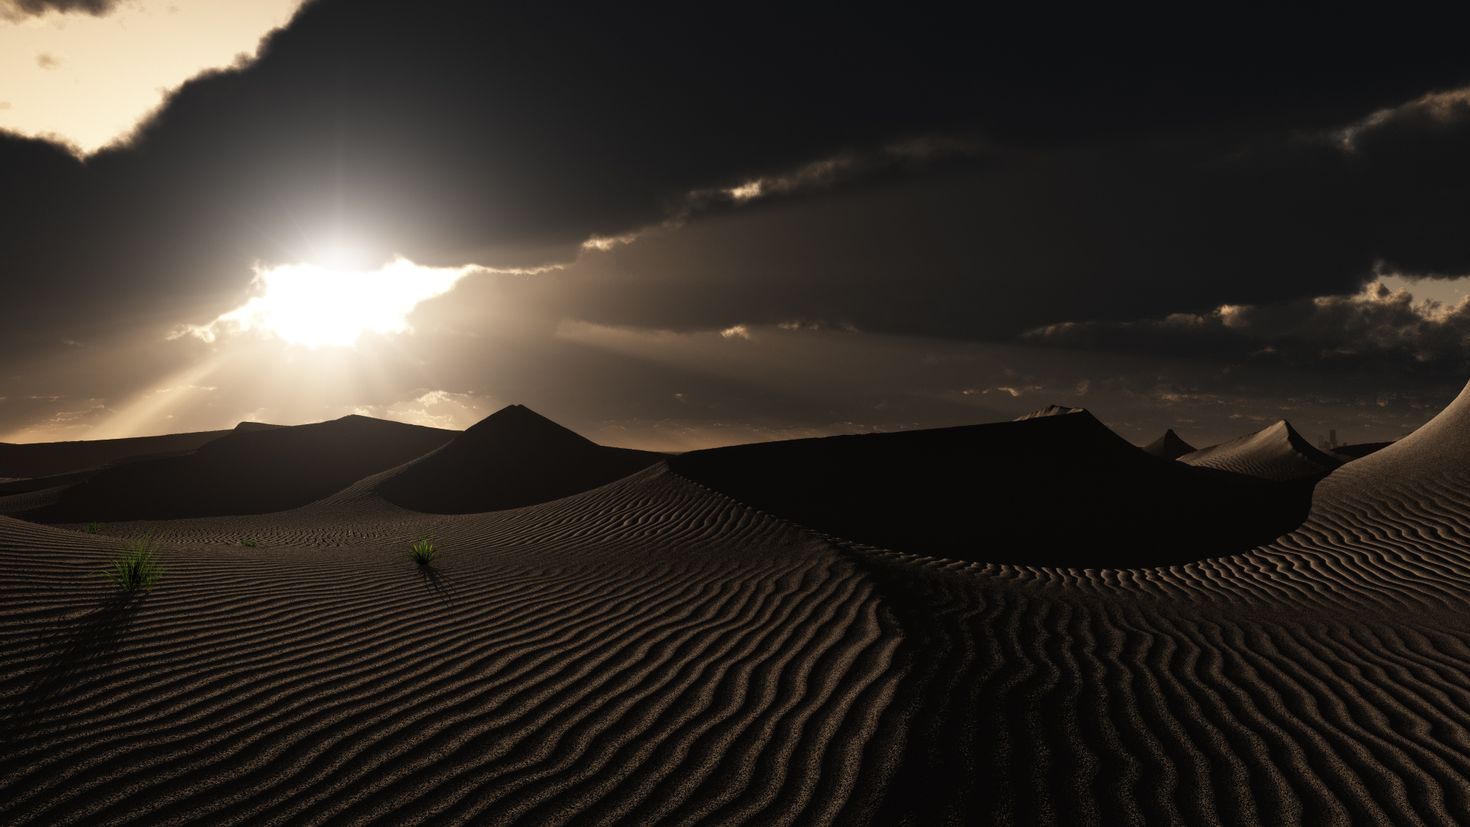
x,y
689,224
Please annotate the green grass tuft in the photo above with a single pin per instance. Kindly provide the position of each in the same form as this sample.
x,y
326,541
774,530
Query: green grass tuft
x,y
424,551
249,542
137,567
93,528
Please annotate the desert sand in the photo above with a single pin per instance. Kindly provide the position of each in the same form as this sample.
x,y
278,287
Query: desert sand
x,y
1276,452
677,646
1169,445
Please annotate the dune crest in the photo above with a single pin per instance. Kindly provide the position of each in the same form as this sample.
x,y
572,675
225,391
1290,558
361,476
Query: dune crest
x,y
49,459
248,471
1057,489
1276,452
512,458
1169,446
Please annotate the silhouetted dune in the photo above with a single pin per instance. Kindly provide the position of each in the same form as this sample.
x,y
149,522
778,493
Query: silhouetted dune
x,y
1168,446
250,471
1060,489
1276,452
512,458
46,459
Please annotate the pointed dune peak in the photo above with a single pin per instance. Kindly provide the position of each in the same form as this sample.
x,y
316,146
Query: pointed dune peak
x,y
520,422
1276,452
1169,446
512,458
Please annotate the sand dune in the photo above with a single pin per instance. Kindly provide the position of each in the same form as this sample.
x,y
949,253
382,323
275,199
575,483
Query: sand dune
x,y
1168,446
1276,452
250,471
1061,489
652,651
46,459
512,458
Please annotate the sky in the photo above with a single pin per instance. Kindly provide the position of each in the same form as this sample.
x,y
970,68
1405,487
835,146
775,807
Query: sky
x,y
684,225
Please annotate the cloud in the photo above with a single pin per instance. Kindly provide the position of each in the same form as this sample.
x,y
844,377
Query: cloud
x,y
20,8
906,176
1379,330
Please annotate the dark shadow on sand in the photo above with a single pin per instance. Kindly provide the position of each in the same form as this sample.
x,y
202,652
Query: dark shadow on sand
x,y
77,645
436,581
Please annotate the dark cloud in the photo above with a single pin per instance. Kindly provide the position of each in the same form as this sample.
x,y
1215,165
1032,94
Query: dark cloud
x,y
457,131
1377,333
1019,239
35,7
1109,166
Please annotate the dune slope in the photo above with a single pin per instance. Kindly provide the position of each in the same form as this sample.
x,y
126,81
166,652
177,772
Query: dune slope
x,y
1276,452
1168,446
1055,490
47,459
512,458
250,471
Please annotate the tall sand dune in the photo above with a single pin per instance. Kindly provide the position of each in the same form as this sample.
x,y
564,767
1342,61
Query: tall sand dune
x,y
1168,446
1061,489
1276,452
250,471
512,458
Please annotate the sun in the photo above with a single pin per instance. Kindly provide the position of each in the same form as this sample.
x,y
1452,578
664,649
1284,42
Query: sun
x,y
318,306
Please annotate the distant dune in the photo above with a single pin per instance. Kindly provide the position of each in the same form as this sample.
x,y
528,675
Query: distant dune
x,y
46,459
252,470
514,457
1055,489
652,650
1276,452
1168,446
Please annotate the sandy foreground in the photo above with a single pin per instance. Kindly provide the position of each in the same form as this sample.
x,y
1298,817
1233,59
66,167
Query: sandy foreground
x,y
654,650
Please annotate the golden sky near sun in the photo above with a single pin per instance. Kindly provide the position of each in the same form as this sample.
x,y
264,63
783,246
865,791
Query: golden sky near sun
x,y
90,80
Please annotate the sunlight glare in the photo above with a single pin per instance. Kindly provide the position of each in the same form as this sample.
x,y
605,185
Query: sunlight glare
x,y
315,306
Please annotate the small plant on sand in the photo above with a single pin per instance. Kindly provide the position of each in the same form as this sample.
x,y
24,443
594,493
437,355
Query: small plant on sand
x,y
249,542
93,528
137,567
423,551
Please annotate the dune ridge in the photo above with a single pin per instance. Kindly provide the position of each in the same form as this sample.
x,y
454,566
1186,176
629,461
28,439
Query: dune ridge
x,y
1060,489
1169,445
251,470
49,459
1276,452
512,458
